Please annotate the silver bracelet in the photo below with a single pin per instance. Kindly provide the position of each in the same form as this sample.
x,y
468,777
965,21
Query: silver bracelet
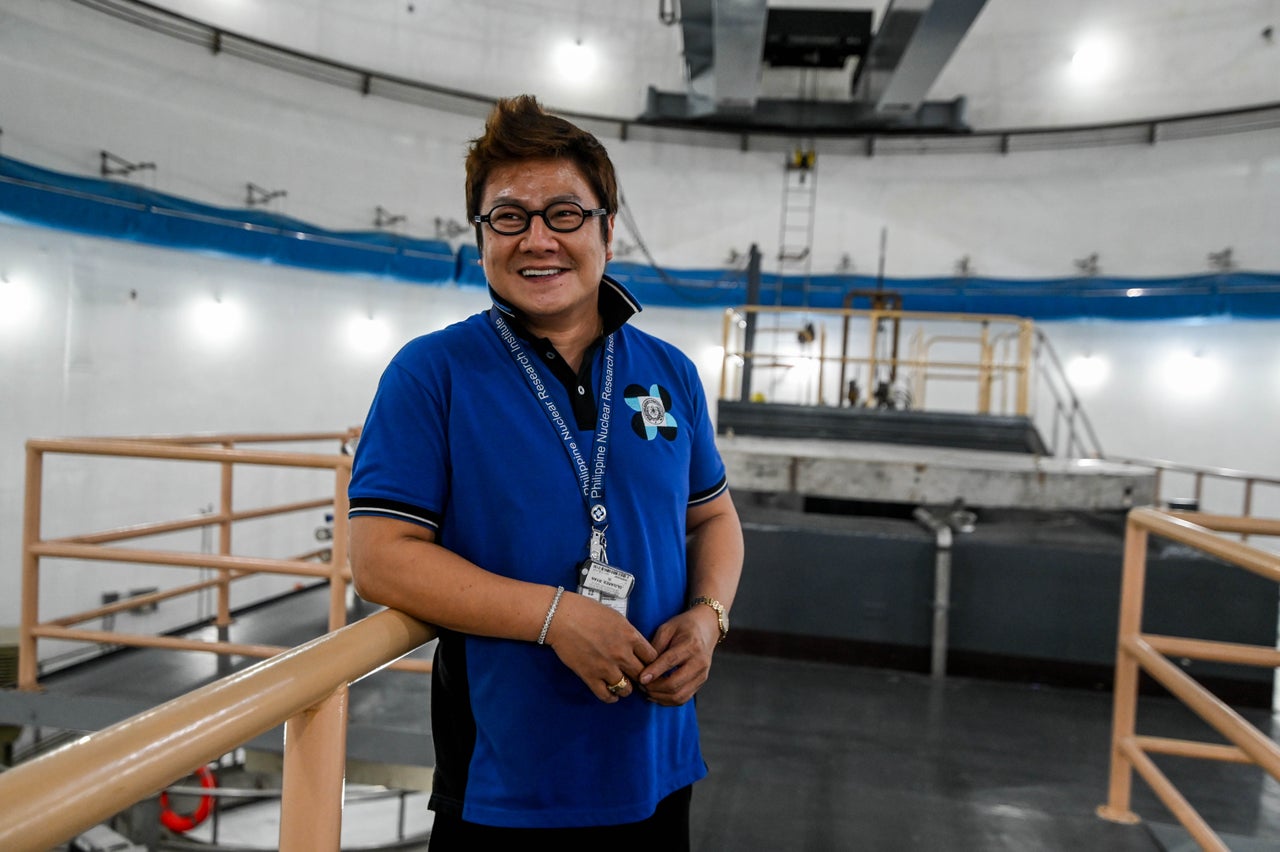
x,y
546,625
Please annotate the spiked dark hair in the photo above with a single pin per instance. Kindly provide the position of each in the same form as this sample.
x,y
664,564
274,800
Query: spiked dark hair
x,y
518,129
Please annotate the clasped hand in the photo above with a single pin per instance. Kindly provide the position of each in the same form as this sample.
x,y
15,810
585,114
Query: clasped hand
x,y
603,649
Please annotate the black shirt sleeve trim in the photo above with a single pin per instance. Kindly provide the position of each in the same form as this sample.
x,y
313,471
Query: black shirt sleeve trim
x,y
710,494
394,509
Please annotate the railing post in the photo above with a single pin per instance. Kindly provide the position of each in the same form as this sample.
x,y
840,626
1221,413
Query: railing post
x,y
338,571
872,365
822,361
1022,400
28,662
315,745
1125,697
223,620
984,370
724,354
1248,503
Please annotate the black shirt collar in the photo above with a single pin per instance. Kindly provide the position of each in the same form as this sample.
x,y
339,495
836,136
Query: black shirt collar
x,y
615,303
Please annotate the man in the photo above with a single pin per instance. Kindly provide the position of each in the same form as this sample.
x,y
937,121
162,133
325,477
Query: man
x,y
541,482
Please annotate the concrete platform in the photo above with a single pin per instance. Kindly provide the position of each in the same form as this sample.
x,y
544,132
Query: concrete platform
x,y
919,475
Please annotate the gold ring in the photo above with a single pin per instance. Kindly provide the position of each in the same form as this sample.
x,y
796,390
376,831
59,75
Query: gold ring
x,y
619,686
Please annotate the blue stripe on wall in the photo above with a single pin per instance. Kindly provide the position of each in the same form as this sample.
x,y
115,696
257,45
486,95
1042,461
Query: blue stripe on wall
x,y
118,210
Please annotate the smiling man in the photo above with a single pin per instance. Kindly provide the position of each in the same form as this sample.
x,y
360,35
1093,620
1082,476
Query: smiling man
x,y
541,482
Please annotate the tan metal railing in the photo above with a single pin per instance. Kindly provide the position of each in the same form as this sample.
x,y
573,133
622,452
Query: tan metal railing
x,y
62,794
1142,652
991,366
226,451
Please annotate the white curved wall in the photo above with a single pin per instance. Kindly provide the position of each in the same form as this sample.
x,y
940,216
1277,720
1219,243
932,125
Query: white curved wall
x,y
78,82
1013,66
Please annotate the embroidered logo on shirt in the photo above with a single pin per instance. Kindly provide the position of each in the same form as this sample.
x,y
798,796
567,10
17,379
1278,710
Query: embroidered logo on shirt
x,y
653,417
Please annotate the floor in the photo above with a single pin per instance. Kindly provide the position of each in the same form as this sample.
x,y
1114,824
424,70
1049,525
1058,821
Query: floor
x,y
810,756
824,756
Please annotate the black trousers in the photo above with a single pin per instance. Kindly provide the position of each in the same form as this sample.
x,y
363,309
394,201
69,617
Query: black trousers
x,y
666,830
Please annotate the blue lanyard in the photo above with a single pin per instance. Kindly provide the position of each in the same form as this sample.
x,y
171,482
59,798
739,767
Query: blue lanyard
x,y
590,476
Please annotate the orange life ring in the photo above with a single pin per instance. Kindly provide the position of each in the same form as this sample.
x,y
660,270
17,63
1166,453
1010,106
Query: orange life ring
x,y
185,822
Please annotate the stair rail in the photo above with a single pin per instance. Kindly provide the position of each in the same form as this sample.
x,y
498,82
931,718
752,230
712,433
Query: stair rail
x,y
59,795
1078,438
1139,652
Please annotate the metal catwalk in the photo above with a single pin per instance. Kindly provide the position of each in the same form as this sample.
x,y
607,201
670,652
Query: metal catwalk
x,y
805,755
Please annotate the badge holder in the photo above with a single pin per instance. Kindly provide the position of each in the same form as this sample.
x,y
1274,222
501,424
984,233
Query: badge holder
x,y
602,582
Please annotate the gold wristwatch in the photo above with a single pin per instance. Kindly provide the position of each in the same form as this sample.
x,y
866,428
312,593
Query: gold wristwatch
x,y
721,618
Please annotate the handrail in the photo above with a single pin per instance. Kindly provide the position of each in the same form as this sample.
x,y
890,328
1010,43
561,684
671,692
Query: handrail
x,y
226,451
352,795
1051,371
65,792
1248,482
1138,652
984,370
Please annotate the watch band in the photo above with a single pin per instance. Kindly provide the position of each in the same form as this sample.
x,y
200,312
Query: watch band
x,y
703,600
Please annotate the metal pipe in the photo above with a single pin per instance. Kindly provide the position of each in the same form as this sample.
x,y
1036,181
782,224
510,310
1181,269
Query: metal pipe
x,y
941,588
207,520
1165,790
30,615
223,619
749,333
314,765
248,564
338,571
162,450
54,797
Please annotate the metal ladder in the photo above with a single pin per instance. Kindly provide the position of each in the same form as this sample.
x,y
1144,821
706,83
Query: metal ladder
x,y
795,238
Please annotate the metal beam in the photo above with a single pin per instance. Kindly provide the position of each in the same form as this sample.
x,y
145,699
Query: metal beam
x,y
723,46
914,42
676,109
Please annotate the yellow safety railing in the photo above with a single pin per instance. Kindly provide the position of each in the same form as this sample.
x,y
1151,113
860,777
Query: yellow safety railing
x,y
228,453
992,364
1142,652
53,798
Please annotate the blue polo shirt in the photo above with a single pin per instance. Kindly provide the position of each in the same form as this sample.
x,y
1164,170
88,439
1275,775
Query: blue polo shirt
x,y
458,440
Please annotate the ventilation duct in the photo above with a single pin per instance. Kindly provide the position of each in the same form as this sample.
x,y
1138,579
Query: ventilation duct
x,y
723,43
728,44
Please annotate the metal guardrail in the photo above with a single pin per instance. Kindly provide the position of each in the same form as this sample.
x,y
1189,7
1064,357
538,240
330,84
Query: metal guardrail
x,y
1167,472
227,452
1143,652
990,369
1071,434
57,796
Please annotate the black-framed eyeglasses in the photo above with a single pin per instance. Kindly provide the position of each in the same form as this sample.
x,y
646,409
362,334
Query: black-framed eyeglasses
x,y
563,217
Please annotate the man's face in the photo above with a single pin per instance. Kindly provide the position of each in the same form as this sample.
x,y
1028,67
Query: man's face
x,y
550,278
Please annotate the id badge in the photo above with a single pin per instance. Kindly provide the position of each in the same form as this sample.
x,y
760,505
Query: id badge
x,y
609,585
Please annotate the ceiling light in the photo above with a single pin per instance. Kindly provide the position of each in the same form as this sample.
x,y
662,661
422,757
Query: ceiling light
x,y
1191,373
1087,372
1092,60
367,334
575,60
217,320
17,302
